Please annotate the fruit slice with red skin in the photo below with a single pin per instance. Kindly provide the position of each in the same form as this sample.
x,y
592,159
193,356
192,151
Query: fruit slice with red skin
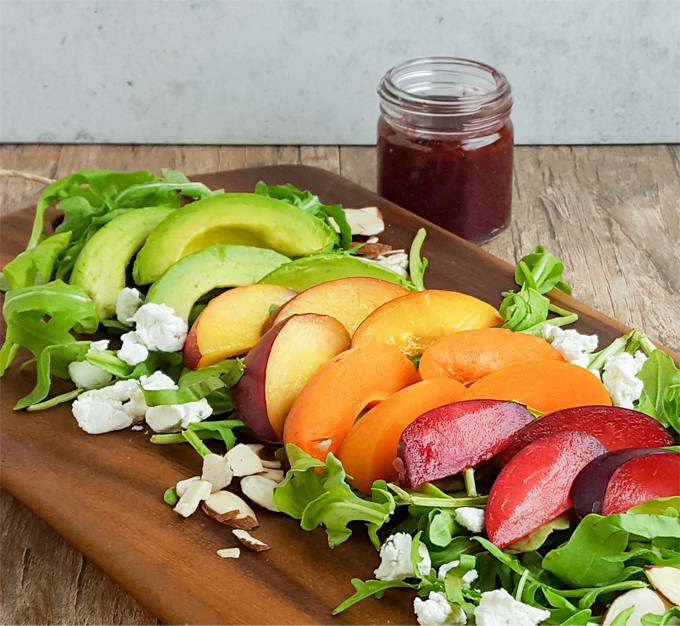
x,y
330,403
533,489
369,450
453,437
620,480
280,365
232,323
614,427
349,300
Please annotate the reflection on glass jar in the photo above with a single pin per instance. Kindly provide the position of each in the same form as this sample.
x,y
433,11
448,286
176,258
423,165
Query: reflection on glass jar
x,y
445,144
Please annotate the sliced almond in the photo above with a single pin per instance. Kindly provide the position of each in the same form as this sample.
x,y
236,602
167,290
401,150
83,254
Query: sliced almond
x,y
666,580
228,508
193,495
366,221
643,601
229,553
255,447
216,471
243,461
182,485
266,463
260,490
249,541
274,474
373,250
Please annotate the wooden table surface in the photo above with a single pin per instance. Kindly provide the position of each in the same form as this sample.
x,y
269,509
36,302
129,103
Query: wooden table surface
x,y
611,213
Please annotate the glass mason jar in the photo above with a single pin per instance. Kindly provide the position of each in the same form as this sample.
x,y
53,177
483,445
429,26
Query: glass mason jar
x,y
445,144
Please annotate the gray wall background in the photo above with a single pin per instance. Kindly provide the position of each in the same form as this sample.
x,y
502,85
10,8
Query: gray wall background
x,y
305,71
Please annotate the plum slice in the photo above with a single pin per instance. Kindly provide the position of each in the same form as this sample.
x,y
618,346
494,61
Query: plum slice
x,y
618,481
453,437
614,427
533,488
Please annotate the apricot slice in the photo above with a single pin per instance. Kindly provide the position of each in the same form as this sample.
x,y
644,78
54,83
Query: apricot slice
x,y
533,489
232,323
330,403
370,449
349,300
412,323
614,427
546,385
618,481
453,437
280,365
469,355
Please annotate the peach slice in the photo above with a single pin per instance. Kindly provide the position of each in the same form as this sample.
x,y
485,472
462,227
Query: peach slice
x,y
412,323
370,449
330,403
349,300
280,365
232,323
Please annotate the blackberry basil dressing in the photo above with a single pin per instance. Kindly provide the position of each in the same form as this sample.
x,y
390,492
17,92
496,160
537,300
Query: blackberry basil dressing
x,y
445,143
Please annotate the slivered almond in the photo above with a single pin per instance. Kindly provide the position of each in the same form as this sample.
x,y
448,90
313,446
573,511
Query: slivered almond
x,y
260,490
216,471
196,492
228,508
274,474
267,464
229,553
243,461
366,221
255,447
249,541
182,485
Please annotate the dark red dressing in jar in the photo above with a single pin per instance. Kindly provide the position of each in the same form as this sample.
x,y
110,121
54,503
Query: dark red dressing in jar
x,y
445,144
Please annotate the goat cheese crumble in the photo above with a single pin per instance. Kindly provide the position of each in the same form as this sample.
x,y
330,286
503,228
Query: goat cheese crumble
x,y
620,378
470,518
101,410
86,375
395,555
128,302
434,611
159,328
499,608
572,345
133,351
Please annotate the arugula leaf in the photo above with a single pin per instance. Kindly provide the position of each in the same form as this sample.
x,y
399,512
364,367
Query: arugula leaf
x,y
622,618
221,430
368,588
186,393
661,620
317,493
669,506
417,264
228,371
309,202
660,396
542,271
43,315
428,495
52,359
36,266
536,539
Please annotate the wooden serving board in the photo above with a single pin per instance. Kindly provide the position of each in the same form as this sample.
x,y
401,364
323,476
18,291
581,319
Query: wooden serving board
x,y
103,493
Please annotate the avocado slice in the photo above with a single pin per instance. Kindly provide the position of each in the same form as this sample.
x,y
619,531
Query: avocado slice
x,y
101,264
232,218
215,266
320,268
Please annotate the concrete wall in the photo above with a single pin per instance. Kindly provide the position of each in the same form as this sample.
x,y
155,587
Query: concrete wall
x,y
305,71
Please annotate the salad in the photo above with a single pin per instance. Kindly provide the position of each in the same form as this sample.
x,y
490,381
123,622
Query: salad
x,y
506,469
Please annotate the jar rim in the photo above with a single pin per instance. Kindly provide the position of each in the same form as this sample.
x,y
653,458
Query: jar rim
x,y
495,99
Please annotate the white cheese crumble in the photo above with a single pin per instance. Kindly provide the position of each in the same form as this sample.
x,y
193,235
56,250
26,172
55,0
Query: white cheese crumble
x,y
86,375
620,378
468,578
127,303
572,345
159,328
133,351
434,611
395,555
499,608
101,410
470,518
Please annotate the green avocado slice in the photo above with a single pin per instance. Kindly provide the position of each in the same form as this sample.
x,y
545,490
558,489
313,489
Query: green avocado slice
x,y
313,270
216,266
101,264
232,218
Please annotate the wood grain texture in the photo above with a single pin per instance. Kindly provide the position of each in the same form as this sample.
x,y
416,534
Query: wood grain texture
x,y
612,213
